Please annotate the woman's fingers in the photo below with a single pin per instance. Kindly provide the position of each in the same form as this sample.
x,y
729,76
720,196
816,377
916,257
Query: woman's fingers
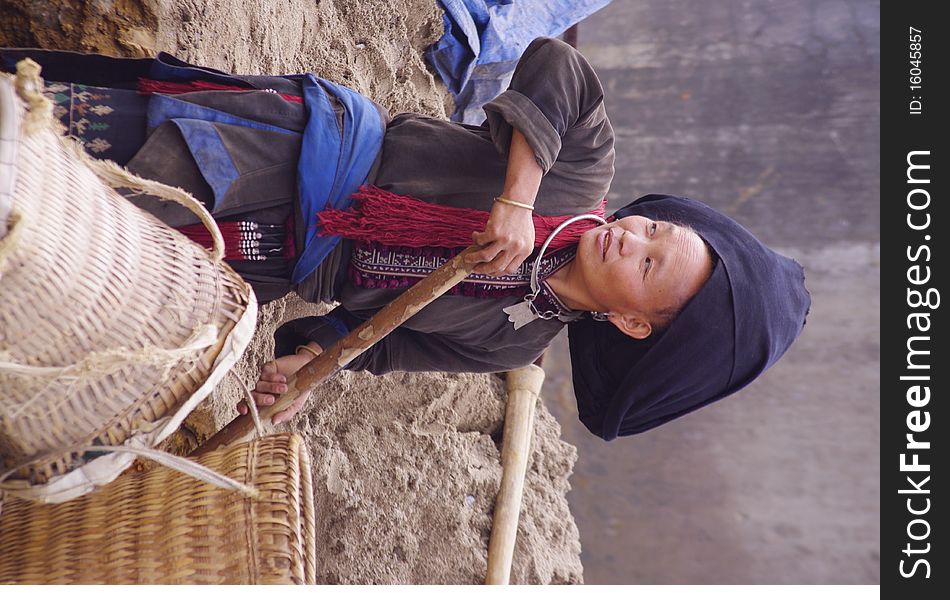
x,y
499,264
491,249
498,260
270,387
270,373
486,260
516,256
507,241
286,415
493,257
260,399
269,368
270,382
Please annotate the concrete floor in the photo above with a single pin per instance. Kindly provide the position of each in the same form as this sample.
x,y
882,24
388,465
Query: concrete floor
x,y
769,111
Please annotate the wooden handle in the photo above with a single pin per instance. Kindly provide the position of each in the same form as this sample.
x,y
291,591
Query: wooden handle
x,y
524,387
352,345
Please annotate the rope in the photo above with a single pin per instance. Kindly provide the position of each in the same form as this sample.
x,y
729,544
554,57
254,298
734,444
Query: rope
x,y
106,362
29,86
176,463
184,466
117,177
251,405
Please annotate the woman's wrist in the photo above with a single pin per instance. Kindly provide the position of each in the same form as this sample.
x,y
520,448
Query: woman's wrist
x,y
516,203
310,350
303,355
523,175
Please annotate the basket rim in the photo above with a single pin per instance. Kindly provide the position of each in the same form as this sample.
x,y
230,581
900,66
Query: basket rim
x,y
160,526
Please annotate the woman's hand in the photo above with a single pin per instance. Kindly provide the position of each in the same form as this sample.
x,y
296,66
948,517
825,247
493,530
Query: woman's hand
x,y
509,234
273,382
508,239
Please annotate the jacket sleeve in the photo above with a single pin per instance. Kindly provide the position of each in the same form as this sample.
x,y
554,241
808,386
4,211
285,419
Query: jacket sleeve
x,y
555,99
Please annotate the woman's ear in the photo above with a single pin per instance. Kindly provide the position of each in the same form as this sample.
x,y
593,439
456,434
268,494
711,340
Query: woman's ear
x,y
636,326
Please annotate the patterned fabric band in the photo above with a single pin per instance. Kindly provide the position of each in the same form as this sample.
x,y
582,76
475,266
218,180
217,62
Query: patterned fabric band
x,y
110,123
375,265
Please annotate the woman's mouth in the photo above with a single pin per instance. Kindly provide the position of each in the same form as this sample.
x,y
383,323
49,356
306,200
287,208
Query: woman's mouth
x,y
606,243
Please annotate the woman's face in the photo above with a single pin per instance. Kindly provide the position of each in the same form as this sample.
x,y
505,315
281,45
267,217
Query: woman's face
x,y
638,265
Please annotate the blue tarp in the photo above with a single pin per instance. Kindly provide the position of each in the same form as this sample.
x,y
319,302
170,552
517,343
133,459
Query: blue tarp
x,y
484,39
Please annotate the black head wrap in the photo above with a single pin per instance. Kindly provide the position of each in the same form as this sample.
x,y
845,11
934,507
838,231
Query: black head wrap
x,y
742,320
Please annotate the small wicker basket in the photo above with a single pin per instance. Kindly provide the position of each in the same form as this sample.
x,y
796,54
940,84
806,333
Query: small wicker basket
x,y
160,526
113,326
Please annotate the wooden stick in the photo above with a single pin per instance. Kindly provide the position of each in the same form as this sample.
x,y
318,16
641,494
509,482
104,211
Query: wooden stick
x,y
524,386
352,345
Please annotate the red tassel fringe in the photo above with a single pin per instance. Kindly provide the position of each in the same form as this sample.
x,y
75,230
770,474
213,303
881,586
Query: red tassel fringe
x,y
393,220
243,243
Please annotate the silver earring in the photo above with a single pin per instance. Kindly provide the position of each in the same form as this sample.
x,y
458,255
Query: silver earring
x,y
599,316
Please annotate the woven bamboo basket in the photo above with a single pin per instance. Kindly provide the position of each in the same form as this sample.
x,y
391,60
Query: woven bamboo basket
x,y
113,326
160,526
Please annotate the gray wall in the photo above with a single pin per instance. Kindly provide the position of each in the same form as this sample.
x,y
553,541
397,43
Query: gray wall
x,y
769,111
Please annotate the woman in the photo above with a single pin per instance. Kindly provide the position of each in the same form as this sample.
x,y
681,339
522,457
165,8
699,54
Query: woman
x,y
668,307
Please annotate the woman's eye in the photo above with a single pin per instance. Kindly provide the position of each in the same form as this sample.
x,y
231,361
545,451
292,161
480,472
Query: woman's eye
x,y
652,228
646,264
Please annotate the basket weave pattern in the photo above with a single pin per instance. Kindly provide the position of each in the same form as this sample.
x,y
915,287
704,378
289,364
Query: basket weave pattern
x,y
97,303
160,526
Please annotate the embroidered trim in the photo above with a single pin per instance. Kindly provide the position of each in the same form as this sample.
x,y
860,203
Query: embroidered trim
x,y
83,111
374,265
547,300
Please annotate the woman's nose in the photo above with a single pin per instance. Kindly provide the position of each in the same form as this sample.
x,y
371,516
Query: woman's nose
x,y
630,237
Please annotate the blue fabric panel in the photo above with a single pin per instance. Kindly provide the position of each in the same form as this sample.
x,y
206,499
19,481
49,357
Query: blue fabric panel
x,y
210,155
479,33
195,123
332,165
363,131
319,163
